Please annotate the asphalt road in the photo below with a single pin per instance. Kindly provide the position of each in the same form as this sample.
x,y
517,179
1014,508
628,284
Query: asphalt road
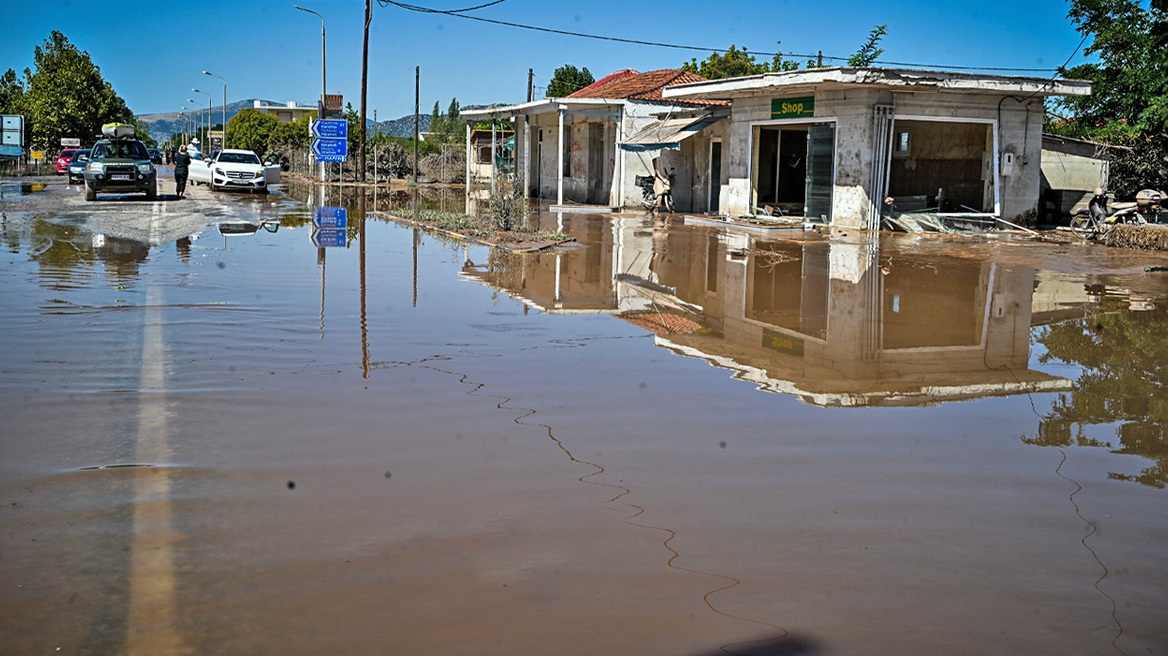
x,y
129,216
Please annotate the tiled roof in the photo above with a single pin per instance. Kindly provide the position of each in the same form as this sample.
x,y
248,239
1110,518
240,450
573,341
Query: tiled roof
x,y
612,77
645,86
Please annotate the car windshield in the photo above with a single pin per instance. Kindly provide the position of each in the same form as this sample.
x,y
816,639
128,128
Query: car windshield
x,y
239,158
81,156
126,149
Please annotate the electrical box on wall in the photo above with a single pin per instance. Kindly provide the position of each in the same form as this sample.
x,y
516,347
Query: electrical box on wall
x,y
1007,163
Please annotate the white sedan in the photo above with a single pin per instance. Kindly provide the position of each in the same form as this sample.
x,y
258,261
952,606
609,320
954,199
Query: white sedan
x,y
233,169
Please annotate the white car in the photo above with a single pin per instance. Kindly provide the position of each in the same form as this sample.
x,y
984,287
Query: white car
x,y
233,169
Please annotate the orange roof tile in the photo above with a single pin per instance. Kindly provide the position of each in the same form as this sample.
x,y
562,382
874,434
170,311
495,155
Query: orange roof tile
x,y
646,86
612,77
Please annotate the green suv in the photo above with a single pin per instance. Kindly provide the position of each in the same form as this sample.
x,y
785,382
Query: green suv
x,y
120,166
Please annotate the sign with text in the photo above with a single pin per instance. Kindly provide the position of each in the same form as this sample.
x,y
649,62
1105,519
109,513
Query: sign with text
x,y
328,237
67,142
801,107
782,343
9,151
329,217
330,150
13,130
330,128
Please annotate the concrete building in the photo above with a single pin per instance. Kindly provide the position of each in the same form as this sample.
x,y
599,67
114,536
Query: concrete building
x,y
1071,170
830,144
287,112
589,147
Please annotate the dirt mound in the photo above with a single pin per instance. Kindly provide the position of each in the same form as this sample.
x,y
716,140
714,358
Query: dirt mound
x,y
1146,237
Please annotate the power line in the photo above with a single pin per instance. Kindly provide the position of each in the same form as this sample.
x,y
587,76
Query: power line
x,y
456,13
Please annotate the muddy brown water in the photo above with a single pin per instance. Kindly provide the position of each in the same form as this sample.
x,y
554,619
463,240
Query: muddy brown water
x,y
665,440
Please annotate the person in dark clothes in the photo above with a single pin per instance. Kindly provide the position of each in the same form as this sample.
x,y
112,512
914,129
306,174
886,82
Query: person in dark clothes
x,y
182,163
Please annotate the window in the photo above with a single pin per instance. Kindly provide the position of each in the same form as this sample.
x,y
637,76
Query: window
x,y
484,155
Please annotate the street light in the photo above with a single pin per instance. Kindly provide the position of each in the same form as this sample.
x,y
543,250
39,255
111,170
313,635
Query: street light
x,y
197,117
224,107
183,118
208,115
320,108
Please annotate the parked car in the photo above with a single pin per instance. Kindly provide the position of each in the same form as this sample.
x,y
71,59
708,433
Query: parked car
x,y
234,169
63,159
120,165
77,166
155,155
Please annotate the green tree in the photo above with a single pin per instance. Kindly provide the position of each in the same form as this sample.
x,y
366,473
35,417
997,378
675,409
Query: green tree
x,y
736,62
868,52
11,92
251,129
1128,105
567,80
293,134
66,96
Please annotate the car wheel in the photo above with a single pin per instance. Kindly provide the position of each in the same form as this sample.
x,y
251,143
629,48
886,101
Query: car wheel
x,y
90,194
152,193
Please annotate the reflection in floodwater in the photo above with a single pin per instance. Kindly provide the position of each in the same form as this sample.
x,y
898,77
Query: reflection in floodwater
x,y
1123,387
832,323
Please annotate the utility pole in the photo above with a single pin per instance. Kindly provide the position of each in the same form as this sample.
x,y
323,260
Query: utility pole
x,y
320,108
530,73
417,88
364,84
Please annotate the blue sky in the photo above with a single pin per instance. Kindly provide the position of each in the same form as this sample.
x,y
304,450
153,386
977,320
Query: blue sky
x,y
153,53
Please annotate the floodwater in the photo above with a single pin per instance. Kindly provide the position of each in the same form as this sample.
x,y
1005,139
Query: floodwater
x,y
665,440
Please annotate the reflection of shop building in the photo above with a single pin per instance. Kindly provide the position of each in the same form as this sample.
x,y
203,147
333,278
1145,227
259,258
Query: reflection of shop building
x,y
830,144
835,324
589,147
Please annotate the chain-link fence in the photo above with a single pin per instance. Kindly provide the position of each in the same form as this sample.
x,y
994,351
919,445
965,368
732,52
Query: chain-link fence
x,y
382,162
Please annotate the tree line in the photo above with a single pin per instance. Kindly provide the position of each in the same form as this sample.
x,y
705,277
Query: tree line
x,y
64,96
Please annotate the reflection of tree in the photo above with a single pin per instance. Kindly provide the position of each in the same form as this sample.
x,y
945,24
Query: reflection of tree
x,y
1124,356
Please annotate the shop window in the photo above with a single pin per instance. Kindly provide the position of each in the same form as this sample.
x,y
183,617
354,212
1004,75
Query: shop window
x,y
948,166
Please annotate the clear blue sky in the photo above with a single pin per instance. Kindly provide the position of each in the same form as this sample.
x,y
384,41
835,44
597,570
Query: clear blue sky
x,y
154,52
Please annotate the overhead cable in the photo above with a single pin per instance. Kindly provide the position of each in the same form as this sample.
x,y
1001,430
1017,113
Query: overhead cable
x,y
457,13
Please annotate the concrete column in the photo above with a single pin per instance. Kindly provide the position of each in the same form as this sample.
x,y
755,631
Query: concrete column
x,y
468,167
494,154
560,158
526,157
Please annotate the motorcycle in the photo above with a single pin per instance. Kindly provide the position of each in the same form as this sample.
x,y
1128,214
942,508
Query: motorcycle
x,y
1097,219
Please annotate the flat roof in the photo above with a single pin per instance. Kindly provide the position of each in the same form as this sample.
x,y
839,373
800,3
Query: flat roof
x,y
894,78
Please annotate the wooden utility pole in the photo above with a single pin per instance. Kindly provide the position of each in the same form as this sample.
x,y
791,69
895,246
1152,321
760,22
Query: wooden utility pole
x,y
417,88
530,73
364,85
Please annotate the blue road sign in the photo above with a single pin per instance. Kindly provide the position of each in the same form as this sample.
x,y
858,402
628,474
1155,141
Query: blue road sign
x,y
330,150
9,151
329,217
328,237
330,128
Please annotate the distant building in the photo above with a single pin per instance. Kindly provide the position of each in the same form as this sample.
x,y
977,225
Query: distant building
x,y
285,113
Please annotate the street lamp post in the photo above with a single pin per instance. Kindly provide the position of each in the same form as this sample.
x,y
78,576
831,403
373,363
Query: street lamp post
x,y
320,108
185,125
224,106
208,115
197,118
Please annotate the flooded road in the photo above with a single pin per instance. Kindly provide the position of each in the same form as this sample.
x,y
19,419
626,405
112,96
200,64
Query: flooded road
x,y
667,439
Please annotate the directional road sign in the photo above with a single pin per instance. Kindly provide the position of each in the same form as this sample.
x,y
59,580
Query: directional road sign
x,y
328,237
330,128
9,151
330,150
329,217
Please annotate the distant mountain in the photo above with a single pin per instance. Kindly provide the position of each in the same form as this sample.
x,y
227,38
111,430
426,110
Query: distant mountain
x,y
163,125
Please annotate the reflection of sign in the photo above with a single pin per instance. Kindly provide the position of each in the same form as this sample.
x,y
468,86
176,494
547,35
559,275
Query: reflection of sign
x,y
782,343
793,107
328,237
330,150
329,217
70,143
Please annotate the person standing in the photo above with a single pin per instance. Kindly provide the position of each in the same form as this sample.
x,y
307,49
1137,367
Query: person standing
x,y
182,163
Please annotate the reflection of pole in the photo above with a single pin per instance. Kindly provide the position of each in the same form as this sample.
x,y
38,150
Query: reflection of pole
x,y
364,322
415,267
